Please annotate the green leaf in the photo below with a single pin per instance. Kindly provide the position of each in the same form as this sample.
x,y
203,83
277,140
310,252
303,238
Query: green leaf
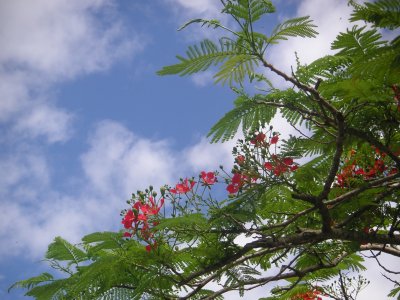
x,y
248,112
301,26
104,241
62,250
248,10
200,58
33,281
357,41
381,13
196,220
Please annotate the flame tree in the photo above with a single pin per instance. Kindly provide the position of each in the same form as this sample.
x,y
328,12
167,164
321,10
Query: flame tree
x,y
300,225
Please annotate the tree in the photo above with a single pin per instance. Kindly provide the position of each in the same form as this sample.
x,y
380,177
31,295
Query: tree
x,y
305,223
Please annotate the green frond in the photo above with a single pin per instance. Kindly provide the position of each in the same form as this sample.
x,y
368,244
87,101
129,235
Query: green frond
x,y
117,293
324,68
313,173
357,41
247,112
209,23
301,26
380,65
62,250
394,292
187,221
248,10
381,13
236,69
352,262
200,58
54,290
103,241
32,282
239,274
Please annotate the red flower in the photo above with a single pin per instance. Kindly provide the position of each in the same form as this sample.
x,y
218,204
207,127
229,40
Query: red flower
x,y
258,139
152,209
274,139
142,217
240,159
360,172
127,234
279,169
184,187
311,295
268,166
232,188
237,182
150,247
128,219
208,178
237,178
288,161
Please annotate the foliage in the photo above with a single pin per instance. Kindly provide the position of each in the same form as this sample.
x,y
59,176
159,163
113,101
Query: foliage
x,y
286,222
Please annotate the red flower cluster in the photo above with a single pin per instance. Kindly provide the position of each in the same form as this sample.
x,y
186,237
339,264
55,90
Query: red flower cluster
x,y
208,178
280,165
240,159
183,187
310,295
274,139
136,220
355,167
238,180
259,140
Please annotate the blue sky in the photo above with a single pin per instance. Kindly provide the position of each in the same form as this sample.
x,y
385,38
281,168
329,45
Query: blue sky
x,y
85,121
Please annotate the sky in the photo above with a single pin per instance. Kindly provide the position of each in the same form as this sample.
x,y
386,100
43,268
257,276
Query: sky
x,y
85,121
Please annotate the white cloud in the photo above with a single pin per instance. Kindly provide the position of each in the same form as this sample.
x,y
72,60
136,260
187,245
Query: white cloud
x,y
43,120
118,160
207,9
203,79
204,156
116,163
331,17
46,42
24,166
60,38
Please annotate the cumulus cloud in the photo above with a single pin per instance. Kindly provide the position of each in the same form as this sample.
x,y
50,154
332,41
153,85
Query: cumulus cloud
x,y
118,160
331,18
203,79
47,42
205,156
60,38
23,170
44,120
116,163
207,9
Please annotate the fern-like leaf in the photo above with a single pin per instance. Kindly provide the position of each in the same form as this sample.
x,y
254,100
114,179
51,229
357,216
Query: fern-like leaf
x,y
248,10
381,13
62,250
301,26
247,112
357,41
32,282
103,241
